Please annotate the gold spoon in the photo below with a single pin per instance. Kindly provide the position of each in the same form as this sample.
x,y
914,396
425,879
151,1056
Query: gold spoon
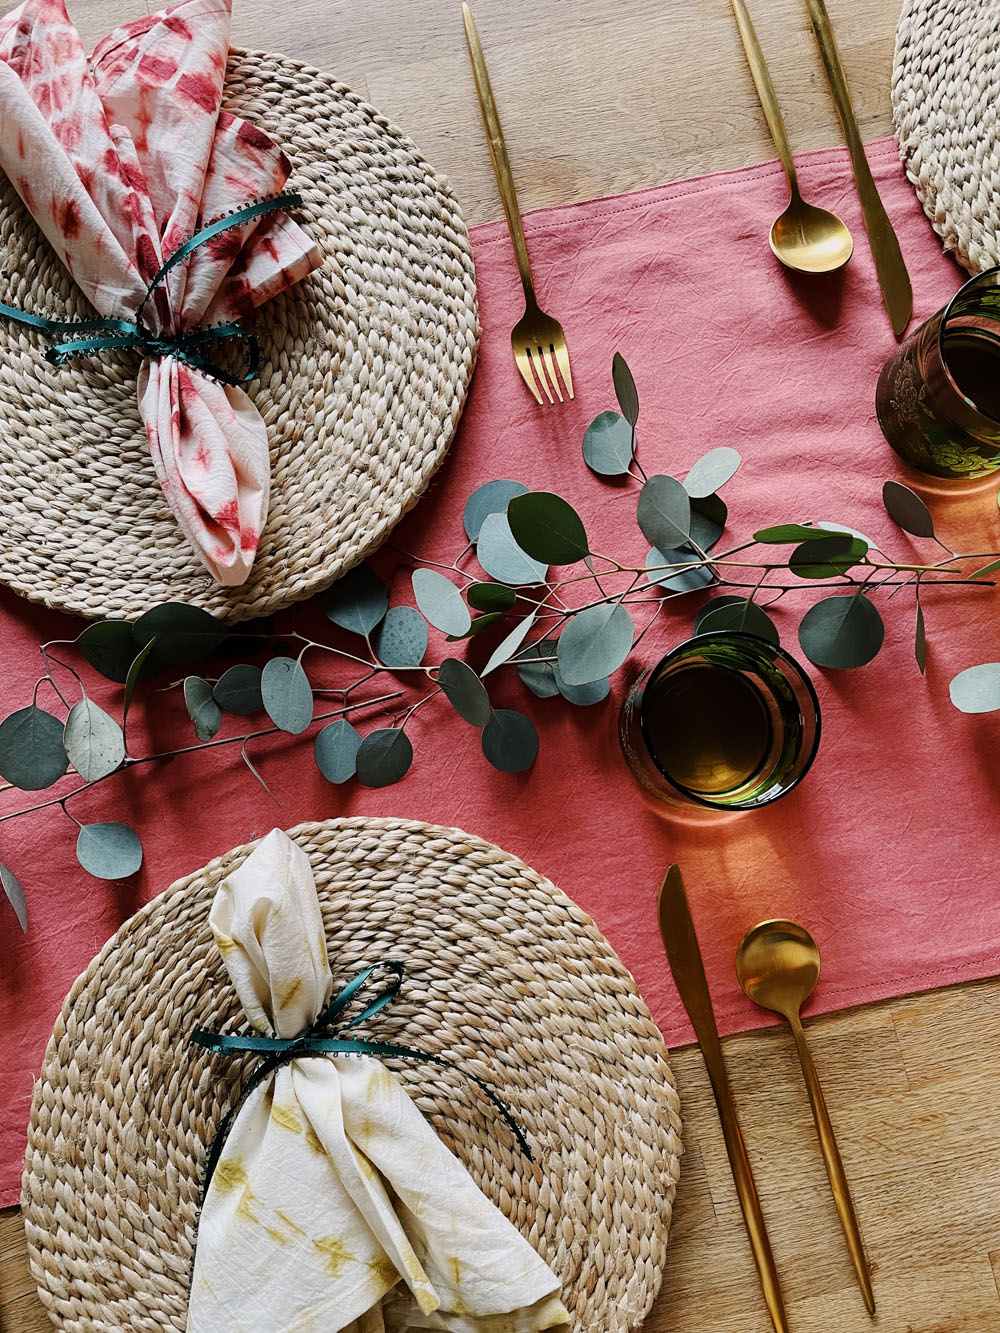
x,y
804,237
778,967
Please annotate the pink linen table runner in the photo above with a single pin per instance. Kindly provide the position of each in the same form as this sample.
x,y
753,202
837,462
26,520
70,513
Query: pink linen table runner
x,y
885,849
123,159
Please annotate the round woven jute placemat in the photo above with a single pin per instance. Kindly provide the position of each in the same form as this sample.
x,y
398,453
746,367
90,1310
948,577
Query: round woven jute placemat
x,y
945,94
503,975
364,373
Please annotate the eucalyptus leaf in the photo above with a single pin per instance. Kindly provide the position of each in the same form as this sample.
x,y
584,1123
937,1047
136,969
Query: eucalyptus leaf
x,y
625,390
608,445
94,741
287,695
664,513
907,510
708,519
510,741
842,527
238,690
920,641
827,557
183,633
15,895
583,695
991,568
336,751
490,597
478,625
464,691
109,647
711,472
136,672
401,640
977,689
540,677
784,533
502,558
440,602
681,580
594,644
492,498
357,602
109,851
548,528
506,649
32,751
203,710
384,757
728,615
844,631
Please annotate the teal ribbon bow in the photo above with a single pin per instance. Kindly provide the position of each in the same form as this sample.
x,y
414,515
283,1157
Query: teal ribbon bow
x,y
317,1042
98,335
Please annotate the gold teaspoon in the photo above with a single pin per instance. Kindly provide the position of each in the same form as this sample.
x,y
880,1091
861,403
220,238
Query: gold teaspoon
x,y
778,967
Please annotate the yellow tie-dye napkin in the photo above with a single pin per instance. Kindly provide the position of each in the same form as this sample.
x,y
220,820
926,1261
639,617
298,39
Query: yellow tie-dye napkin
x,y
334,1205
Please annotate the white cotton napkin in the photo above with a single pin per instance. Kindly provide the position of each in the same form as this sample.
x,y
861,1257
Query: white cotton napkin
x,y
334,1205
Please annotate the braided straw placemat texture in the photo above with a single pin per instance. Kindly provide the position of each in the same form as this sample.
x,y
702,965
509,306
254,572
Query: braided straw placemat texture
x,y
364,373
503,974
945,93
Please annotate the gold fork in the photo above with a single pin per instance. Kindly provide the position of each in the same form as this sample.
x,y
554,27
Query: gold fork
x,y
537,339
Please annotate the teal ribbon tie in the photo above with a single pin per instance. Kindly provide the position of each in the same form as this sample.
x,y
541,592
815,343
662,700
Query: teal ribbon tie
x,y
318,1042
91,336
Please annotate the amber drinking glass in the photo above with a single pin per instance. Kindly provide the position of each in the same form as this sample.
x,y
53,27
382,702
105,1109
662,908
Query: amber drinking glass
x,y
938,396
726,721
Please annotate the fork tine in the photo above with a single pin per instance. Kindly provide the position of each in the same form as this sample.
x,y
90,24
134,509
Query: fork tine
x,y
546,355
537,364
562,360
523,363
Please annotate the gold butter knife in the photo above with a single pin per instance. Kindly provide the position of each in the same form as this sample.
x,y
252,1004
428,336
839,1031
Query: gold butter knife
x,y
892,275
684,956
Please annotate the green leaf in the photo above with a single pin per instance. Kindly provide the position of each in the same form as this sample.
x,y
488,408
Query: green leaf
x,y
920,641
664,513
594,644
32,752
785,533
94,741
109,648
991,568
492,498
356,602
15,896
509,645
202,708
708,519
907,510
842,632
490,597
625,390
238,690
827,557
136,672
287,695
607,445
384,757
336,751
401,640
183,633
710,472
109,851
540,677
441,602
727,615
478,625
977,689
464,691
681,580
548,528
510,741
502,558
583,695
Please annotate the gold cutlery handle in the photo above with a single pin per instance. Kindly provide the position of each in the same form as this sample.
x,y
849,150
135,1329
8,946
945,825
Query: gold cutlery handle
x,y
765,91
498,152
834,1165
892,275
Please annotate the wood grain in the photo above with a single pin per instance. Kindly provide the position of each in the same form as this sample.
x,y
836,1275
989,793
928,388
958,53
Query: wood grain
x,y
596,99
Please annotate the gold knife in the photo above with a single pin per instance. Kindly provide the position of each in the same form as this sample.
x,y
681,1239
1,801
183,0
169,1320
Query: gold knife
x,y
892,275
684,956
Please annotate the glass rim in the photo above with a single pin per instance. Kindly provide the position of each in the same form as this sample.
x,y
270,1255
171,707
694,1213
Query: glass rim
x,y
778,652
945,316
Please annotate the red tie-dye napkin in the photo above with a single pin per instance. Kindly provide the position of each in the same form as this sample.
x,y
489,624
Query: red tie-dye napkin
x,y
121,160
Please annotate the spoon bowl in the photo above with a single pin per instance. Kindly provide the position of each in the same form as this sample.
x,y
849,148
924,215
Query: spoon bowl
x,y
778,966
810,239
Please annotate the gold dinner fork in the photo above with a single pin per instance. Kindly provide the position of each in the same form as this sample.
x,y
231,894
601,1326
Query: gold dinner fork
x,y
537,339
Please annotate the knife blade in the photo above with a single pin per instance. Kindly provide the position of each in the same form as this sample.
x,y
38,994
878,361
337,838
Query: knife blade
x,y
681,945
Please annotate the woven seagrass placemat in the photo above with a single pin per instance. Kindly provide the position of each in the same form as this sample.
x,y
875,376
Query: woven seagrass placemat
x,y
503,974
945,98
365,369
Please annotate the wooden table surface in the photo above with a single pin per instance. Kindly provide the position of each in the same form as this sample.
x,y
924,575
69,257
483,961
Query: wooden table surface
x,y
597,98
